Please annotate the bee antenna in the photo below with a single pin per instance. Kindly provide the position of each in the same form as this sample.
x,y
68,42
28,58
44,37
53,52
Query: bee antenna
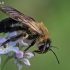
x,y
55,56
55,47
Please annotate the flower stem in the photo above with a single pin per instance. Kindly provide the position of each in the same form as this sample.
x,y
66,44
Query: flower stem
x,y
0,62
3,66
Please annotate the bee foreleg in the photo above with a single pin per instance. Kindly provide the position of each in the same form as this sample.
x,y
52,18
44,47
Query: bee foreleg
x,y
33,42
37,51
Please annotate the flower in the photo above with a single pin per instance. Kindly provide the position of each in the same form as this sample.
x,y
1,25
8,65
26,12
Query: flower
x,y
19,55
29,55
22,59
8,48
20,41
26,58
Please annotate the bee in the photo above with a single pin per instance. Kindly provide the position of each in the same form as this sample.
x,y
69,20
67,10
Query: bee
x,y
27,28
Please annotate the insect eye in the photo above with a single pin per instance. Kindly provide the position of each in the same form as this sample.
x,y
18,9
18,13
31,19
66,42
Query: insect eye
x,y
5,47
48,45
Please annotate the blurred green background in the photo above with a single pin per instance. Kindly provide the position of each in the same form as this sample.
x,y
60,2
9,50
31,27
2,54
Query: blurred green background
x,y
56,16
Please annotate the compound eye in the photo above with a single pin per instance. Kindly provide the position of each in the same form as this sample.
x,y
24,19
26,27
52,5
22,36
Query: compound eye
x,y
48,45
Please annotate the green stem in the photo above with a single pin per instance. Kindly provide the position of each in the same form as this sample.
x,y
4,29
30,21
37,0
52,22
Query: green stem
x,y
3,66
0,62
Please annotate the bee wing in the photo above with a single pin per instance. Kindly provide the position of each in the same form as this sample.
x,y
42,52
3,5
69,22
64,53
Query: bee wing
x,y
18,16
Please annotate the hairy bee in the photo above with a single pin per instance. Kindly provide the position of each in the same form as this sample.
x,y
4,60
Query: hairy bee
x,y
30,30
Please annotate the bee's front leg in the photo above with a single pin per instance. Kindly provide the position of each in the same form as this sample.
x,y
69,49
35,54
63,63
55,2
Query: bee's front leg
x,y
37,51
33,42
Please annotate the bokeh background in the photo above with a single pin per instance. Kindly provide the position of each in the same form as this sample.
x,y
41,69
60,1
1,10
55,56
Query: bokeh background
x,y
55,14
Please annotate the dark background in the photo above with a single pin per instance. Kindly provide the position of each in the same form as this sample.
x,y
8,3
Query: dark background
x,y
55,14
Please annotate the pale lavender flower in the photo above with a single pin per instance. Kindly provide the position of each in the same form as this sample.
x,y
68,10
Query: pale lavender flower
x,y
26,58
26,55
23,58
9,47
29,55
19,54
26,62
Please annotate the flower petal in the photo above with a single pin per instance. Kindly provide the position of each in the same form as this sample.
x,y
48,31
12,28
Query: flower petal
x,y
26,62
3,51
18,65
14,49
9,49
19,55
20,41
12,43
11,34
2,40
29,55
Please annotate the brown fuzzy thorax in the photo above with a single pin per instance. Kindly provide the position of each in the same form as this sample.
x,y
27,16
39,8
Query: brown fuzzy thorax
x,y
45,33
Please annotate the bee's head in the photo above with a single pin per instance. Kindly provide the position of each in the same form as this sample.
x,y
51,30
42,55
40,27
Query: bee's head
x,y
45,47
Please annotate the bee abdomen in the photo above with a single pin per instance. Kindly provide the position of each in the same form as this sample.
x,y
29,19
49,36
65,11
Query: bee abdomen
x,y
10,25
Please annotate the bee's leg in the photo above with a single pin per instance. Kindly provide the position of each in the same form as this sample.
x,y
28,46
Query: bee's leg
x,y
37,51
13,38
33,42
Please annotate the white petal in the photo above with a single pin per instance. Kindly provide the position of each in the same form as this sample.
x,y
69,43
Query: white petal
x,y
29,55
20,41
26,62
19,66
14,49
3,51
